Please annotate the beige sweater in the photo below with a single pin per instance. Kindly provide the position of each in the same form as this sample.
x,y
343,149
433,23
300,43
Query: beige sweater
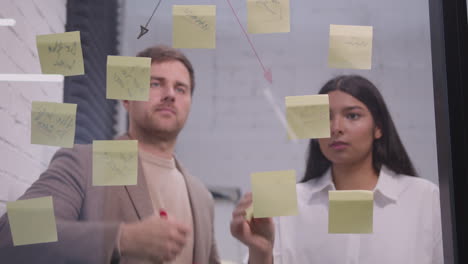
x,y
168,191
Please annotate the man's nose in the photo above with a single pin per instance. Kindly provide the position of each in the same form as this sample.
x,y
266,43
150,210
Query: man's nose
x,y
169,94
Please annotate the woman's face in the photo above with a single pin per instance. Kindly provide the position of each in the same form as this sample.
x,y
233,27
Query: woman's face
x,y
352,131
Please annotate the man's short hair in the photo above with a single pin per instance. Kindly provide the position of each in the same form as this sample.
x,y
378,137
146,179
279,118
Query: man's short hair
x,y
162,53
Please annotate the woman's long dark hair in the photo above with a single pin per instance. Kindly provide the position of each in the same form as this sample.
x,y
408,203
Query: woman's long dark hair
x,y
387,150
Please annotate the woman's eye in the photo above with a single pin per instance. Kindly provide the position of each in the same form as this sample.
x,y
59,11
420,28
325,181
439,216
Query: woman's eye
x,y
353,116
154,84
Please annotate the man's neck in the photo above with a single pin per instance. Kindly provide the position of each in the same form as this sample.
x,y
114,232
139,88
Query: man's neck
x,y
162,149
360,176
153,145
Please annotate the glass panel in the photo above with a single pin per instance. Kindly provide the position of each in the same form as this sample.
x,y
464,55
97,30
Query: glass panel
x,y
365,190
237,121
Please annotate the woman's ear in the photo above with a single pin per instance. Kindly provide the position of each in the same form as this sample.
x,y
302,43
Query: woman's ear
x,y
377,132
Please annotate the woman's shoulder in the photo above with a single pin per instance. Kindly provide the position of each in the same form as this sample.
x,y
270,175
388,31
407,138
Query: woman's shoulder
x,y
416,184
312,186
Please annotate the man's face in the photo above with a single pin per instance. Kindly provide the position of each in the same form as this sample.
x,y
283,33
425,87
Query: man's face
x,y
169,102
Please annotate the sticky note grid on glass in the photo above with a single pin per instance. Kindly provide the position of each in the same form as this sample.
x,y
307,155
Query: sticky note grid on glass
x,y
268,16
194,26
115,162
274,193
61,53
128,78
350,212
53,124
308,116
32,221
350,47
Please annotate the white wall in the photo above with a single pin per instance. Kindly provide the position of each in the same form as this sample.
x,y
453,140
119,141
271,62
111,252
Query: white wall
x,y
22,162
232,130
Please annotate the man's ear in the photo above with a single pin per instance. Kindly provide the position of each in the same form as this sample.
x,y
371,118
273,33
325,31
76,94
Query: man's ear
x,y
377,132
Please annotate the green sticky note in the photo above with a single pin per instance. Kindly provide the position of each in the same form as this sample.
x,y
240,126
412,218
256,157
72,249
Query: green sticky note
x,y
115,162
53,124
194,26
350,212
32,221
350,47
128,78
268,16
308,116
60,53
274,193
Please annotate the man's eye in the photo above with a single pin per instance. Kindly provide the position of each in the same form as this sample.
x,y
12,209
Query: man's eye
x,y
180,89
154,84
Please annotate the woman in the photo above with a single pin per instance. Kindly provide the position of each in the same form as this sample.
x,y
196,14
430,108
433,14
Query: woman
x,y
364,152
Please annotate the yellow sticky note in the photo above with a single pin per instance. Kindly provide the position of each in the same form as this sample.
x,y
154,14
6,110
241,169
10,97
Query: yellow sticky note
x,y
274,193
61,53
350,47
53,124
350,212
32,221
128,78
194,26
268,16
115,162
308,116
249,213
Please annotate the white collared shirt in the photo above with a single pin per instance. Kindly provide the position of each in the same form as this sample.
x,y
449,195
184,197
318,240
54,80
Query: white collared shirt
x,y
407,226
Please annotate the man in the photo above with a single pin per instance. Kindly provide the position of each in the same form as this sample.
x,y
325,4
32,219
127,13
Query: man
x,y
166,217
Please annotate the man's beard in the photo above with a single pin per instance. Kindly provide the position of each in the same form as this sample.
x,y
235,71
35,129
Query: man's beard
x,y
153,132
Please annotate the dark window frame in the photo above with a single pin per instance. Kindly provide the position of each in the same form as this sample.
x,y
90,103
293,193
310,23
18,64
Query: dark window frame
x,y
97,22
449,30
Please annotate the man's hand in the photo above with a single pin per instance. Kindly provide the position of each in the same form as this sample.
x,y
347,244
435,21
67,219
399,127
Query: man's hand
x,y
258,234
154,238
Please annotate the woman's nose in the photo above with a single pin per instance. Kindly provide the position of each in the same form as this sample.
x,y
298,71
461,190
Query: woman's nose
x,y
336,126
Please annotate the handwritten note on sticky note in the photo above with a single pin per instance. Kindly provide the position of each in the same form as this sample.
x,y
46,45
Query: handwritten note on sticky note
x,y
61,53
53,124
32,221
128,78
268,16
350,47
194,26
274,193
115,162
350,212
308,116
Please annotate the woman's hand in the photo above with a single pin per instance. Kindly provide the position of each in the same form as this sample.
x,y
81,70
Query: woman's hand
x,y
257,234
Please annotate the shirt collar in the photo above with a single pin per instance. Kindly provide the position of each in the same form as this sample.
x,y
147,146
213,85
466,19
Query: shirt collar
x,y
387,184
322,184
158,161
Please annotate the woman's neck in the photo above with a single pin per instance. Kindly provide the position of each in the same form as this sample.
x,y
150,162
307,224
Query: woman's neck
x,y
359,176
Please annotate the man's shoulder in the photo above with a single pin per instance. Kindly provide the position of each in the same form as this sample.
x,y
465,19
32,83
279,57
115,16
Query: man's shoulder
x,y
76,150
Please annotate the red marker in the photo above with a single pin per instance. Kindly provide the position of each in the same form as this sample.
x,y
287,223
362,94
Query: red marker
x,y
162,213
